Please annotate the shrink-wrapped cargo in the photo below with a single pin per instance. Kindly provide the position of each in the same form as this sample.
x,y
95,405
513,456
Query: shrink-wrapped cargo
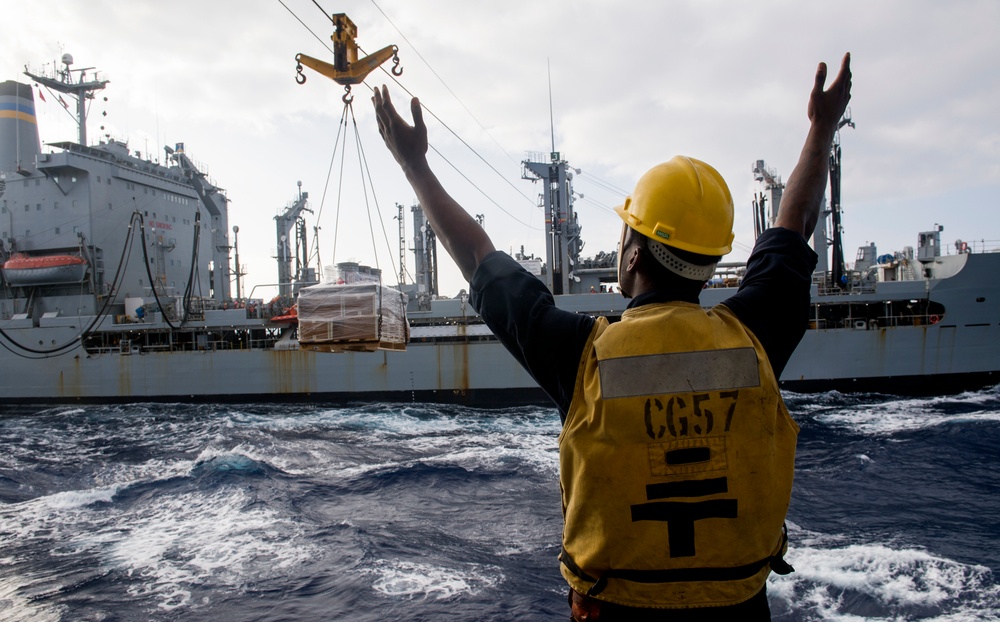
x,y
356,317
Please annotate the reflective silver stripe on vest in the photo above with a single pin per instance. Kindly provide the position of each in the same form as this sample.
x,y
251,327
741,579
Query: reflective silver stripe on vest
x,y
678,372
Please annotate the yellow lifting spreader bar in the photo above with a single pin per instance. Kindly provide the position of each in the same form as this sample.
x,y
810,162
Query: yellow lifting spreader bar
x,y
346,68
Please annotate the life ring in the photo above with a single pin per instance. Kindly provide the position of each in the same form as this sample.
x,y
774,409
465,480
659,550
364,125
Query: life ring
x,y
934,319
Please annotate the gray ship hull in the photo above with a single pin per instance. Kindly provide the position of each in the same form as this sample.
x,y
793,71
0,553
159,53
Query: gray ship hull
x,y
479,374
458,360
909,361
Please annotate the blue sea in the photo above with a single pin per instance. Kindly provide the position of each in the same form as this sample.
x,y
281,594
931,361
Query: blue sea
x,y
426,512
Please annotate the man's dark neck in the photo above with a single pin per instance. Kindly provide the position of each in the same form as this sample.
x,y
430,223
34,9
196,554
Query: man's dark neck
x,y
663,295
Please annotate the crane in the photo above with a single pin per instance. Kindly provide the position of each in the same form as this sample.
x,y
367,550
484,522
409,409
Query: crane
x,y
286,221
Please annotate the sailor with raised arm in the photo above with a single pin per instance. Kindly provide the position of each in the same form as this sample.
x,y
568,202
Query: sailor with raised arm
x,y
677,452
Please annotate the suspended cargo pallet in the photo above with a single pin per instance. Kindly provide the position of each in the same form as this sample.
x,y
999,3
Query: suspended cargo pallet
x,y
361,317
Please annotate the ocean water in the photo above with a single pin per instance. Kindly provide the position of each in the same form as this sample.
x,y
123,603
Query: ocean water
x,y
423,512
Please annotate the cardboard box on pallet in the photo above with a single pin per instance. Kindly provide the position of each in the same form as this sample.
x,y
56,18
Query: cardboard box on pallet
x,y
354,317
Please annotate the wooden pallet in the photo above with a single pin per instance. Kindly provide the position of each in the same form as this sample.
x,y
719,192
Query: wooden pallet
x,y
354,345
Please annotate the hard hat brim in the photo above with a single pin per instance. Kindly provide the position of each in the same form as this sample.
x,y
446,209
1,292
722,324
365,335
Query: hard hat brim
x,y
634,224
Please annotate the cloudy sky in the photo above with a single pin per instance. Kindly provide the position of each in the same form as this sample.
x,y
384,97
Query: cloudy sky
x,y
632,85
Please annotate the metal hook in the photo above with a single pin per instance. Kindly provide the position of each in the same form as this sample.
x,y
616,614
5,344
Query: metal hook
x,y
396,69
347,98
299,76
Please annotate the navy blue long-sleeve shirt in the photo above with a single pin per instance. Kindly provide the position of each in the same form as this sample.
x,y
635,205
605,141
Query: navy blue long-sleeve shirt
x,y
772,301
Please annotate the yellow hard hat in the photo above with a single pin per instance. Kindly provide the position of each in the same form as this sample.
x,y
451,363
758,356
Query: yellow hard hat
x,y
683,203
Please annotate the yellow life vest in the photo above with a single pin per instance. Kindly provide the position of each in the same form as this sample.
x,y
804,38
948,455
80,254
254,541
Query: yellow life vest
x,y
676,461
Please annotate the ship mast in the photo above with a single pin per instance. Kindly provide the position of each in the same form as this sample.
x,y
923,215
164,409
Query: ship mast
x,y
562,229
838,269
81,87
774,188
425,258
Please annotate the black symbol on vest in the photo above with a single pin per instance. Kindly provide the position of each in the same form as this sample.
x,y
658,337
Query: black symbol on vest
x,y
681,516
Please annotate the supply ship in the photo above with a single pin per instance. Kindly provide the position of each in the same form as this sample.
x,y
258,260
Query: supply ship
x,y
117,287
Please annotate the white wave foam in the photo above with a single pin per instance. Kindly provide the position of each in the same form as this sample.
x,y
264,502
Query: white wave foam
x,y
79,498
46,519
305,457
193,540
372,421
875,414
412,580
168,546
124,475
469,458
381,422
16,607
69,507
894,582
65,509
473,451
543,457
239,451
883,418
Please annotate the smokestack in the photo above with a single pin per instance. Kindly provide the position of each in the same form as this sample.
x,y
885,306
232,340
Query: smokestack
x,y
19,143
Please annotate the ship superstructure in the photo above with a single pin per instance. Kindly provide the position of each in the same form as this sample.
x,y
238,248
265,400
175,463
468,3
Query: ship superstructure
x,y
145,230
117,287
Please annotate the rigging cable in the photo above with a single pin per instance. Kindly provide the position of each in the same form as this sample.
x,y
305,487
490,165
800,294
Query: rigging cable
x,y
323,43
445,84
329,172
363,162
597,181
340,181
443,124
474,152
596,204
325,14
57,97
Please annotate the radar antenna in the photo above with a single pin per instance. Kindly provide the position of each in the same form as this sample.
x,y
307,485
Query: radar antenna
x,y
81,87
